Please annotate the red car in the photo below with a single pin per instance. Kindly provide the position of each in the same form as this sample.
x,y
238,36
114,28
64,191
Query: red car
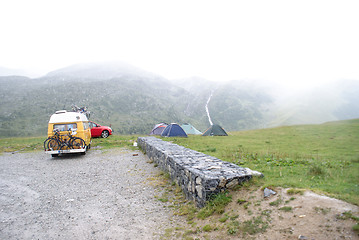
x,y
100,131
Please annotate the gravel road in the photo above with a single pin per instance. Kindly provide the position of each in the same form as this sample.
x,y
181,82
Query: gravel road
x,y
102,195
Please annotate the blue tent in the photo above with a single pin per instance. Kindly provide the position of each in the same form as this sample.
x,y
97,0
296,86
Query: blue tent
x,y
173,130
158,129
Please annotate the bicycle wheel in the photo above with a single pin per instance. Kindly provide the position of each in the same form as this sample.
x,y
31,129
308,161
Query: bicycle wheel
x,y
46,142
77,143
53,144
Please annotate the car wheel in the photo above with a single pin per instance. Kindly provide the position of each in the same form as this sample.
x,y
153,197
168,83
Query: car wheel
x,y
105,134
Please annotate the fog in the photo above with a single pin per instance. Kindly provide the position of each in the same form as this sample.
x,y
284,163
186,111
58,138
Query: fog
x,y
296,44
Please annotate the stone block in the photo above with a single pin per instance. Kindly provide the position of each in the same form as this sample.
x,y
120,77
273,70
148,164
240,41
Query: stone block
x,y
200,176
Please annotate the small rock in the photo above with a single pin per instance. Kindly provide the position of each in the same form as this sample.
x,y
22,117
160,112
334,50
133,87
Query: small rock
x,y
232,184
268,192
302,237
254,173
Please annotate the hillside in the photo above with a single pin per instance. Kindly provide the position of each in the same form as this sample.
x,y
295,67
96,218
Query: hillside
x,y
133,100
127,103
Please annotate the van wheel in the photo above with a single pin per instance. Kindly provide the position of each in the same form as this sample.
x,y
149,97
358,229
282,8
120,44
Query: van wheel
x,y
105,134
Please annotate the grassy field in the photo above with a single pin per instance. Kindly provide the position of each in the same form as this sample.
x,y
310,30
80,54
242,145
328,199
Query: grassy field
x,y
323,158
36,143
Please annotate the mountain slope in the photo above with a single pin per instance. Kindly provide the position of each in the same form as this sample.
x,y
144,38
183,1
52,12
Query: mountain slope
x,y
133,101
130,105
101,71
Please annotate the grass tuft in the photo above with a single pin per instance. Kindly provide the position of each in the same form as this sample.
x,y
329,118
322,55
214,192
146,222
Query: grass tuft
x,y
255,225
207,228
294,191
356,228
316,170
215,206
276,202
286,209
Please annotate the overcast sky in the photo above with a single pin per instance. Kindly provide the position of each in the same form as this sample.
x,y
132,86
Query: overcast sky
x,y
294,42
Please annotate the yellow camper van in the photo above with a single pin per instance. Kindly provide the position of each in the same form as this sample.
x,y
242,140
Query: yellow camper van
x,y
63,121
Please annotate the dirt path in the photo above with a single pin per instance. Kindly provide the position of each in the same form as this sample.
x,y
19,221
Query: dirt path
x,y
102,195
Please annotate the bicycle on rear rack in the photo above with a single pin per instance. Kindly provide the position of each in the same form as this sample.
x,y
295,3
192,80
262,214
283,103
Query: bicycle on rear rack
x,y
63,142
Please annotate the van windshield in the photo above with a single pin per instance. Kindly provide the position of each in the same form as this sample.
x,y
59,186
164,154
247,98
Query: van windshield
x,y
65,127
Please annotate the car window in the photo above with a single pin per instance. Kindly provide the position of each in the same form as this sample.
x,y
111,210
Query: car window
x,y
65,127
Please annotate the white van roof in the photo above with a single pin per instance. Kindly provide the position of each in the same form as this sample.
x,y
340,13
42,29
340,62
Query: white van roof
x,y
63,116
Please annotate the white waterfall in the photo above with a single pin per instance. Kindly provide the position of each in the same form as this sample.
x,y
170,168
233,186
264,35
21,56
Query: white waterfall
x,y
209,117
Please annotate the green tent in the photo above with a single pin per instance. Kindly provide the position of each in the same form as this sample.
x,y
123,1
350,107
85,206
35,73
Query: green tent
x,y
189,129
215,130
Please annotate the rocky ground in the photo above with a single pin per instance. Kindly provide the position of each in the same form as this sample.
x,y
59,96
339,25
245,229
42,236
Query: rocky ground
x,y
112,194
102,195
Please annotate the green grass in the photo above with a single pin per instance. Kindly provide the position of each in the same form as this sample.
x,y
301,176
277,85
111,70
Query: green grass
x,y
293,191
276,202
349,215
22,144
115,141
286,209
36,143
323,158
207,228
215,205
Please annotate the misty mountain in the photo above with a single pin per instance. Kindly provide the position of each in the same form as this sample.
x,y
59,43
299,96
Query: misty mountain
x,y
240,105
132,100
349,108
329,102
101,71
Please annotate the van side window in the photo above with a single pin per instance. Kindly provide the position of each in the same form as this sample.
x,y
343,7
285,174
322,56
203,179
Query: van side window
x,y
65,127
86,125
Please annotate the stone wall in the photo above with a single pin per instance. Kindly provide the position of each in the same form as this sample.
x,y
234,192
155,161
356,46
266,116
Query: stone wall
x,y
199,175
